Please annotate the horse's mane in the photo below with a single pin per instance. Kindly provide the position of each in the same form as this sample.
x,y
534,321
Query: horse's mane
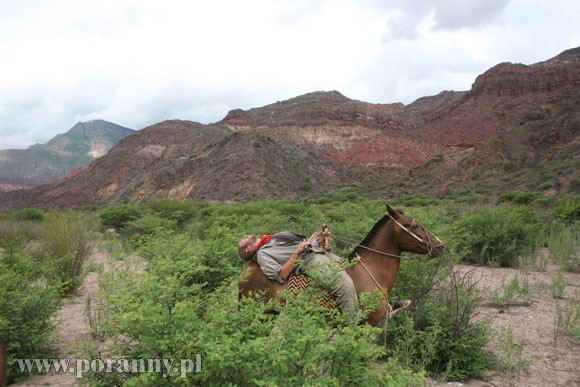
x,y
380,223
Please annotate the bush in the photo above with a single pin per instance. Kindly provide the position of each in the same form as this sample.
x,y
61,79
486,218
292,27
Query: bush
x,y
180,212
249,347
119,215
439,336
520,197
418,200
563,242
496,235
207,262
28,214
138,232
568,209
27,302
18,232
66,240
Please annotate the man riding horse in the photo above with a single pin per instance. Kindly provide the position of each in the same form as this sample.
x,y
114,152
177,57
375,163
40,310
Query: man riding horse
x,y
277,256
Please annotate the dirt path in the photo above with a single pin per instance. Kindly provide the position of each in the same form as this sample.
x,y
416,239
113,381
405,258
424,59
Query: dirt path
x,y
72,328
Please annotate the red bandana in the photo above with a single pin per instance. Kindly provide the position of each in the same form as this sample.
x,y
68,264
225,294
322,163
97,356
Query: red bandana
x,y
264,239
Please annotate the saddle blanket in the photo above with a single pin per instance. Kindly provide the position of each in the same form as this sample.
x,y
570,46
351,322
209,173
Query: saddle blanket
x,y
297,283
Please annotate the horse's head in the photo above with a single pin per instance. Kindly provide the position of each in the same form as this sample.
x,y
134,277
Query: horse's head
x,y
412,236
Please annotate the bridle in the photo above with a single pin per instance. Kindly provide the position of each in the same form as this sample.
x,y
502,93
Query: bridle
x,y
427,241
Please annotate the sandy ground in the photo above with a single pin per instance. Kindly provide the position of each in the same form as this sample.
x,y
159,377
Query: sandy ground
x,y
553,358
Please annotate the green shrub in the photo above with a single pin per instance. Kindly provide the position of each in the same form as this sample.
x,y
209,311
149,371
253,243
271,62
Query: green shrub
x,y
27,302
496,235
180,212
439,335
417,200
511,362
344,194
28,214
119,215
66,240
473,198
513,291
208,263
519,197
563,242
139,231
568,209
18,232
300,346
568,316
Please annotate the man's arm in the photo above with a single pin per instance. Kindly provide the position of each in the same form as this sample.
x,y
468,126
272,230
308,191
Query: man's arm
x,y
288,267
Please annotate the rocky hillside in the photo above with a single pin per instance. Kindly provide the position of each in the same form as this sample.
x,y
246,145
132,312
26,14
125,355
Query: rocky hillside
x,y
517,128
62,156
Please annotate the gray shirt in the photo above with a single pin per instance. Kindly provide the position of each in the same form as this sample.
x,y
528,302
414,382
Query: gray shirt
x,y
276,252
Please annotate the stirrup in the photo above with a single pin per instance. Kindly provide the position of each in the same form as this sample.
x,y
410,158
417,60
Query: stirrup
x,y
398,306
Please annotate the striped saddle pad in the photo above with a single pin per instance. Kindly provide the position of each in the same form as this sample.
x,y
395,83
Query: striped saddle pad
x,y
301,282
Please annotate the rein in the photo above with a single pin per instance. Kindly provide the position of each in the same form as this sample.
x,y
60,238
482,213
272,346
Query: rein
x,y
389,312
354,242
428,242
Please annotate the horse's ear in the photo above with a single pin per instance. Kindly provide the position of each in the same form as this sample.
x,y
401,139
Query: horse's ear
x,y
392,212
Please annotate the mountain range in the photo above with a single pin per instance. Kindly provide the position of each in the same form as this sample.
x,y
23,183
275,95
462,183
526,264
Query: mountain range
x,y
517,128
64,155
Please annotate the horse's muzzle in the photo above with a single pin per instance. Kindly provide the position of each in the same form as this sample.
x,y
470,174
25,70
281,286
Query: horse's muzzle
x,y
437,251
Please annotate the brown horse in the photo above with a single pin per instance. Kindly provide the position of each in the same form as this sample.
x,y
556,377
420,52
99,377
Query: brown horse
x,y
378,260
2,364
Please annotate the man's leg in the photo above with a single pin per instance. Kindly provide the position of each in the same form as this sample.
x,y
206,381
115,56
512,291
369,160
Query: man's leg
x,y
327,274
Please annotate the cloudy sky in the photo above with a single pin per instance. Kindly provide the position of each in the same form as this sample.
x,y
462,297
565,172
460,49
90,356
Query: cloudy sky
x,y
138,62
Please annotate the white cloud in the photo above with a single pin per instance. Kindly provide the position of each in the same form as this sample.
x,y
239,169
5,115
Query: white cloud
x,y
137,62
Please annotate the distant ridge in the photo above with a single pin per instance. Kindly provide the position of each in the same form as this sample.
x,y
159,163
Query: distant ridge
x,y
517,128
51,162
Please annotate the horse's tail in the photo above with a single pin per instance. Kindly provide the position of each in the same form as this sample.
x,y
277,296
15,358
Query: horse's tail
x,y
2,364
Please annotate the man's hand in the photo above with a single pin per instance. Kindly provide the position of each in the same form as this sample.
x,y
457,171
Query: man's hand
x,y
303,246
288,266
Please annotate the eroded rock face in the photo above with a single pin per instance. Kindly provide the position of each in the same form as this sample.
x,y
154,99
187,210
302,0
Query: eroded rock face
x,y
558,75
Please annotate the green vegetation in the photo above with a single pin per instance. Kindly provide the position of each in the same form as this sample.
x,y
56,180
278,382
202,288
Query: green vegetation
x,y
28,214
512,362
41,259
563,242
515,291
119,215
568,316
497,235
181,303
568,209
